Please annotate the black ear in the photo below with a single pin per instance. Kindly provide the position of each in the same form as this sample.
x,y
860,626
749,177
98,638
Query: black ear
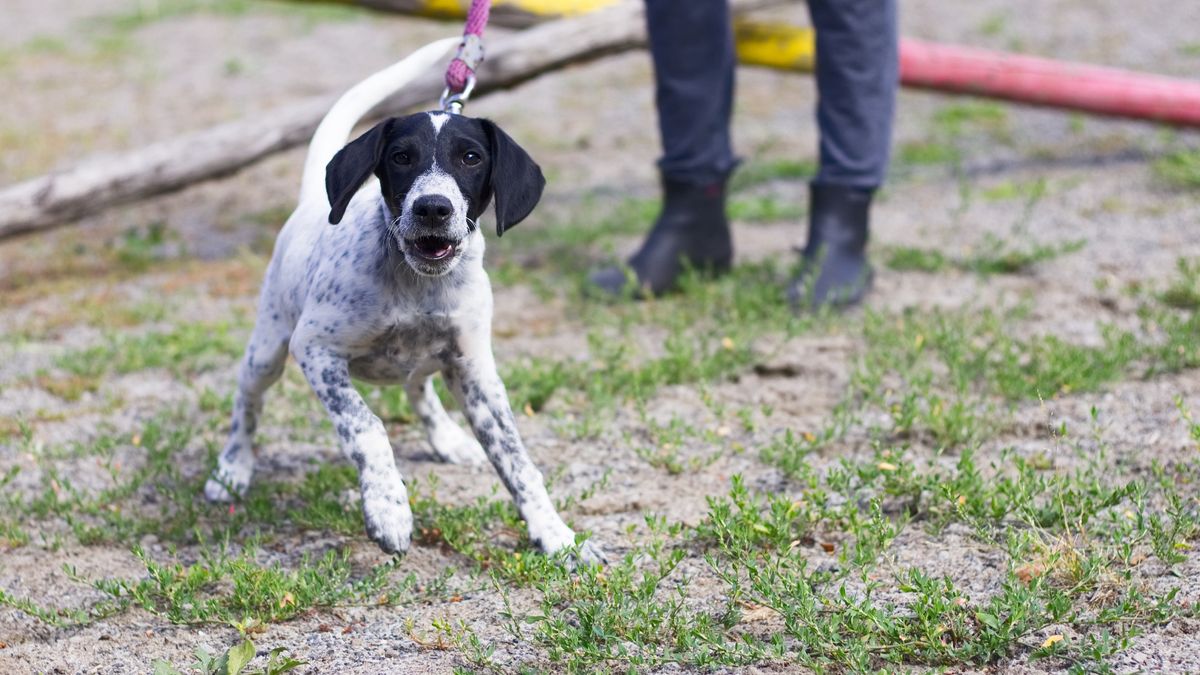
x,y
516,181
351,166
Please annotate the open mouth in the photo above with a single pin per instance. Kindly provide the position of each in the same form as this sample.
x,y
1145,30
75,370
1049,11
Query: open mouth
x,y
432,248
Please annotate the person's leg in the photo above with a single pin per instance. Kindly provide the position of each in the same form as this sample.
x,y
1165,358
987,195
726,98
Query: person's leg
x,y
691,42
857,76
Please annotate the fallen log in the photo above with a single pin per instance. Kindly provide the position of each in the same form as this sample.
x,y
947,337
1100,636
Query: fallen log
x,y
64,196
67,195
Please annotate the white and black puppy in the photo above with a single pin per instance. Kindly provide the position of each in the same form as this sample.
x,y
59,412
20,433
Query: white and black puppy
x,y
393,292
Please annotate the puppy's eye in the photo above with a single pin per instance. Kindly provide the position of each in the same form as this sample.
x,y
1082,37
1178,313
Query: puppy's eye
x,y
471,158
401,158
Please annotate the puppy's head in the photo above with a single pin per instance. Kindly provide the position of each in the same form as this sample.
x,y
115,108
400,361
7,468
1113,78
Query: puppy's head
x,y
438,173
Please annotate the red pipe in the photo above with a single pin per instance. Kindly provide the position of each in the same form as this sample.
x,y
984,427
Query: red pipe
x,y
1044,82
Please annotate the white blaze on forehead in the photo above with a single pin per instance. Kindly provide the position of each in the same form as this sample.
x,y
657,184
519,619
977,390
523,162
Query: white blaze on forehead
x,y
438,119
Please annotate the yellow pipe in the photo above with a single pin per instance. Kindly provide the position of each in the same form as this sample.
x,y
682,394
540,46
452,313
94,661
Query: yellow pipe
x,y
457,9
546,7
776,46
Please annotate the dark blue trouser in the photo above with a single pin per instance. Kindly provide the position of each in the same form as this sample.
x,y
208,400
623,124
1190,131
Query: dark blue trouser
x,y
857,74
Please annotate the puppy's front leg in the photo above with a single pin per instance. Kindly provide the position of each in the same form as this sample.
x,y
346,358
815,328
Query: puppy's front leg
x,y
474,381
364,441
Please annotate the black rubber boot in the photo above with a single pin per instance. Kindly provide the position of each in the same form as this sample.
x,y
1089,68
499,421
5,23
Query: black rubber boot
x,y
835,270
691,231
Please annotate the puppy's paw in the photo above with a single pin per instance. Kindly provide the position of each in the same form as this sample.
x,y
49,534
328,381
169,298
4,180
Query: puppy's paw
x,y
235,468
222,487
587,554
454,446
561,541
389,519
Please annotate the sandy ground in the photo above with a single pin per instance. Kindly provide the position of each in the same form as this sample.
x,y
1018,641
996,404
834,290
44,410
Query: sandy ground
x,y
74,88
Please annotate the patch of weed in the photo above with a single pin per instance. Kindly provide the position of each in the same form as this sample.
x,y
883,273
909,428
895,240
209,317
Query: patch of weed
x,y
488,533
951,124
956,119
668,440
916,259
1180,169
328,499
920,153
1010,190
234,661
994,25
993,256
138,248
187,348
764,209
632,613
145,14
59,618
223,587
755,173
616,373
70,387
1183,291
997,256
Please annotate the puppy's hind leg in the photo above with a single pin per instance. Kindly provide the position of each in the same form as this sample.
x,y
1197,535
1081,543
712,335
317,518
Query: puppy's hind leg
x,y
261,367
450,442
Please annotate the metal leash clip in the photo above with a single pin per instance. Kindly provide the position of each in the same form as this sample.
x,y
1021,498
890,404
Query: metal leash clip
x,y
453,103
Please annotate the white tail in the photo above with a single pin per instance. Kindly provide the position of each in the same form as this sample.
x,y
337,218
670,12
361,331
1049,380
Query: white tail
x,y
334,131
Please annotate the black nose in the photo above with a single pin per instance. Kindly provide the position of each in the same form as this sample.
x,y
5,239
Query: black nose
x,y
433,209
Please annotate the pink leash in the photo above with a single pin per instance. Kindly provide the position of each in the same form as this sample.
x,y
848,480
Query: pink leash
x,y
460,74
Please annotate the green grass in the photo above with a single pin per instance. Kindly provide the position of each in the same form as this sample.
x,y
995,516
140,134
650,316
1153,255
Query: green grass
x,y
795,564
224,587
755,173
563,242
714,330
667,442
930,152
1179,169
147,13
636,612
139,248
234,661
957,119
226,583
1011,190
950,127
944,378
186,349
112,36
993,256
780,608
764,209
617,374
1183,291
994,25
